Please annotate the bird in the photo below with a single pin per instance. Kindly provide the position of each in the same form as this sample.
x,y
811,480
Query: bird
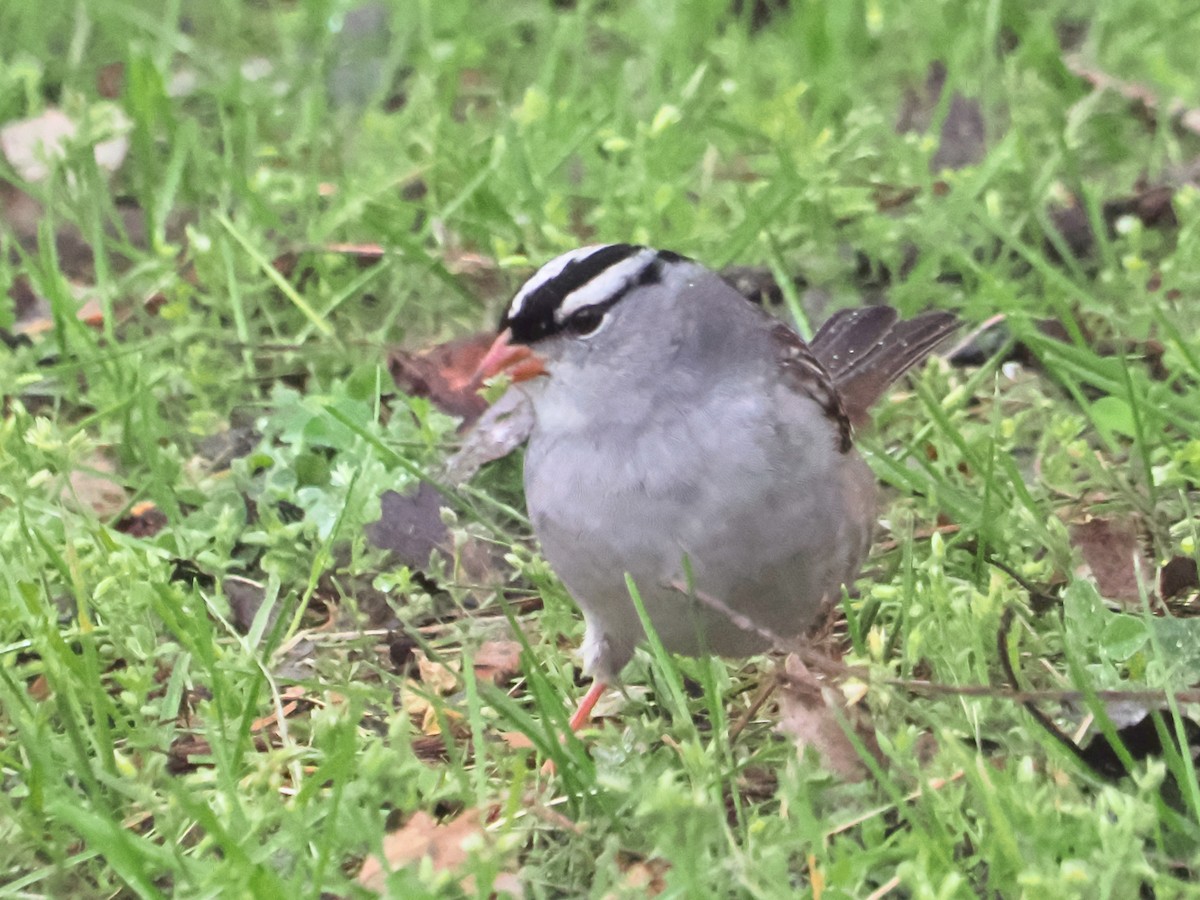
x,y
687,440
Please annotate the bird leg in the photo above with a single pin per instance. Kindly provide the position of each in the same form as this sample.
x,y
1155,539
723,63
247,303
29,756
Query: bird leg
x,y
583,714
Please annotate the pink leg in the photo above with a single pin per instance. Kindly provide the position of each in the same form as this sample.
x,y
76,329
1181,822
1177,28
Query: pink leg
x,y
583,714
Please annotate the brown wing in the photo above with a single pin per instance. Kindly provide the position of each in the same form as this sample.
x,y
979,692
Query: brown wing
x,y
805,374
867,349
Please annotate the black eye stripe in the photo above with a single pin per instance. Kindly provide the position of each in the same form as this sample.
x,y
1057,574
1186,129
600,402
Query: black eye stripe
x,y
536,318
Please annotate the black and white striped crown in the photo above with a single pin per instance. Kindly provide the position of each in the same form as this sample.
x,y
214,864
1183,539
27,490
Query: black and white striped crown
x,y
572,292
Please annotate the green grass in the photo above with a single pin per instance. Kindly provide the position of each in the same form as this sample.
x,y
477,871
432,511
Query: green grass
x,y
473,141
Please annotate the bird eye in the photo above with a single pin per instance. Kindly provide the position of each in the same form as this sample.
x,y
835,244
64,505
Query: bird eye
x,y
585,321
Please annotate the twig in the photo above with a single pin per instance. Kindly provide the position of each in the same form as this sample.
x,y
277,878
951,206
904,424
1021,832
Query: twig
x,y
742,621
884,889
766,689
1031,707
929,688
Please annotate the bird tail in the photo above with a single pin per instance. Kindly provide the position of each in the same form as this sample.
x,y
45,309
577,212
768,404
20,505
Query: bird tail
x,y
866,350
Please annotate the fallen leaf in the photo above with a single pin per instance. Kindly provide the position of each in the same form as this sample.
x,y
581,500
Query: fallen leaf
x,y
40,320
410,525
39,688
498,661
500,430
430,748
189,752
91,487
479,565
436,676
144,520
245,598
110,80
1150,204
1185,117
962,138
183,751
290,698
444,374
517,740
812,713
1179,575
32,145
1114,558
447,846
646,876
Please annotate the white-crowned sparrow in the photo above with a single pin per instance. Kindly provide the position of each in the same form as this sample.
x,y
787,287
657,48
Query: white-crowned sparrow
x,y
687,438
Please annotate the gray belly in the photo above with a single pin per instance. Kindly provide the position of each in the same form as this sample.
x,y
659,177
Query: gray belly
x,y
769,543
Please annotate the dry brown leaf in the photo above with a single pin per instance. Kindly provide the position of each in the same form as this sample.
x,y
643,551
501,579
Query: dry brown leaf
x,y
431,723
517,740
1186,117
39,319
430,748
31,145
291,697
1178,576
502,428
447,846
188,752
410,525
498,661
92,488
479,564
421,837
144,520
245,598
437,677
1114,558
648,876
962,138
444,374
812,712
39,688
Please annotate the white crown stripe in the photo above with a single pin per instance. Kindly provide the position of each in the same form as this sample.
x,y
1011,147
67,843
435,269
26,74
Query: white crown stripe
x,y
605,285
549,272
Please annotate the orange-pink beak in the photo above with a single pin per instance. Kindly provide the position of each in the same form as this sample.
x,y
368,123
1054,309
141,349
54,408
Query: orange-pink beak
x,y
515,360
